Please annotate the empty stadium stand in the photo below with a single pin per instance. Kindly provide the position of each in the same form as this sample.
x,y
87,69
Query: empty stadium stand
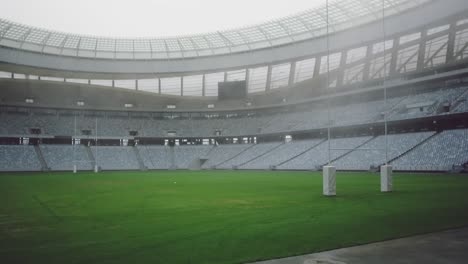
x,y
20,120
19,158
414,151
373,153
115,158
319,155
282,154
439,153
64,157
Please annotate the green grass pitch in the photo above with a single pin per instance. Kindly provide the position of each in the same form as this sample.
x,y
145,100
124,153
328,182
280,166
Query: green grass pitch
x,y
213,216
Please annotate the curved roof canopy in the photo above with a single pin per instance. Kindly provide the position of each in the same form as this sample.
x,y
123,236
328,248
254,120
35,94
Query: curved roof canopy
x,y
343,14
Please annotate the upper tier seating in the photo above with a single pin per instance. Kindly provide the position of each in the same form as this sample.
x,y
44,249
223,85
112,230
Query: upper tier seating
x,y
119,124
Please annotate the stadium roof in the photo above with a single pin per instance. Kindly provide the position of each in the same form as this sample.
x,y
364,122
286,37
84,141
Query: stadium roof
x,y
309,24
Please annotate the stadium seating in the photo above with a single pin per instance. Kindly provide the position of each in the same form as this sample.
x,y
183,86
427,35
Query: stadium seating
x,y
439,153
63,157
302,155
319,156
281,154
373,152
19,158
424,104
186,154
250,154
156,157
224,152
115,158
118,124
417,151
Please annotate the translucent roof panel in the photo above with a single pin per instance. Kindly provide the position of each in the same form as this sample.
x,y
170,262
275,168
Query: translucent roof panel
x,y
16,32
304,70
238,75
257,79
253,34
4,25
334,61
342,15
72,42
171,86
211,83
274,30
141,45
106,44
55,39
124,45
356,54
187,44
216,40
149,85
280,75
193,85
157,45
88,43
37,36
127,84
234,37
173,45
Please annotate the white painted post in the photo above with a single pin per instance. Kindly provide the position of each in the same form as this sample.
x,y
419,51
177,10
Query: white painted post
x,y
74,169
96,168
386,183
329,181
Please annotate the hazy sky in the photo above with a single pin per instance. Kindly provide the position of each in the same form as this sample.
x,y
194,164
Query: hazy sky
x,y
146,18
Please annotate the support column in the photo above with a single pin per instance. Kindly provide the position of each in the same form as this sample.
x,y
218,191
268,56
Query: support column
x,y
292,73
422,50
268,82
318,60
203,85
247,80
386,183
393,59
342,68
367,64
451,42
329,181
159,85
182,86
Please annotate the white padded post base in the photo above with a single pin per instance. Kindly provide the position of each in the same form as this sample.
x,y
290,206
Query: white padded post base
x,y
96,169
329,181
386,184
74,169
